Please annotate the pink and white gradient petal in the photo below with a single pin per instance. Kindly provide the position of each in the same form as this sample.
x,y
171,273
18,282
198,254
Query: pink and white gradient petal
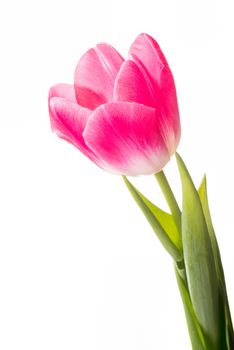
x,y
146,52
95,76
128,137
132,84
65,91
68,121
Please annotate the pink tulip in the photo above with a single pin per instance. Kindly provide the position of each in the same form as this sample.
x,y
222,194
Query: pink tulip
x,y
122,114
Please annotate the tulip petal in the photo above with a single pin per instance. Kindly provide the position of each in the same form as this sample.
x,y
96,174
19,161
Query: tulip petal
x,y
65,91
133,85
146,52
68,121
95,76
128,137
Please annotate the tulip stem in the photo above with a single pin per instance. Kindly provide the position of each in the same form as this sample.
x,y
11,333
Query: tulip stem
x,y
170,198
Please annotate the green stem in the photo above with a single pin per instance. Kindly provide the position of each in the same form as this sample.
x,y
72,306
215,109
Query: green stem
x,y
170,198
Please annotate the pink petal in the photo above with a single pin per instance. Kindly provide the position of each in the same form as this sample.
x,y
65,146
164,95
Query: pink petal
x,y
133,85
95,75
145,52
65,91
68,121
127,136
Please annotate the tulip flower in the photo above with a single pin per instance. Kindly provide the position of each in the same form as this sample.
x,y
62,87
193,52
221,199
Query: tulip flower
x,y
121,114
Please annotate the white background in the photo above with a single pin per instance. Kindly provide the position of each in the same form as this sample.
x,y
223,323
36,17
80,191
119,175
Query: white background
x,y
79,266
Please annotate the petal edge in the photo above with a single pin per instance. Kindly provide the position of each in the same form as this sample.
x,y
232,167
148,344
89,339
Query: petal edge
x,y
127,136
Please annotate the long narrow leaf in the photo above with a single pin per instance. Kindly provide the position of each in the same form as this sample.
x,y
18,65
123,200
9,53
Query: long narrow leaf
x,y
202,191
159,221
195,332
199,261
229,335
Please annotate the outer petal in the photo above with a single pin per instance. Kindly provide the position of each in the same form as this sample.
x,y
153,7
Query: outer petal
x,y
133,85
95,76
128,137
65,91
146,52
68,120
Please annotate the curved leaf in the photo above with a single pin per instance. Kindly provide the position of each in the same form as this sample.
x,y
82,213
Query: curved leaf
x,y
161,222
166,220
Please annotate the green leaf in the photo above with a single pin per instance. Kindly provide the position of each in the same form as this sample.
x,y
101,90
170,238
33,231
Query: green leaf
x,y
195,332
166,221
229,335
226,318
199,261
202,191
161,222
229,329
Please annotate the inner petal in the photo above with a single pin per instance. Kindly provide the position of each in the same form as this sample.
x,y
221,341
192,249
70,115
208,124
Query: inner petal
x,y
95,75
134,85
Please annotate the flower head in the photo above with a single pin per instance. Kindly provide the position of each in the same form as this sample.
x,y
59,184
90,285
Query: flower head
x,y
122,114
